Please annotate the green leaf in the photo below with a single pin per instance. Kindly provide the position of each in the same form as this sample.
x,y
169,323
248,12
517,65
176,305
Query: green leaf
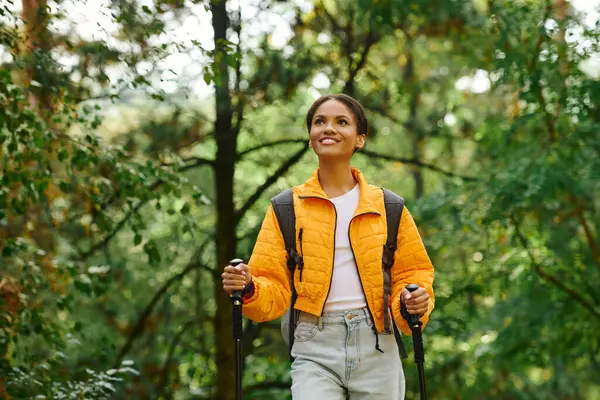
x,y
185,209
152,252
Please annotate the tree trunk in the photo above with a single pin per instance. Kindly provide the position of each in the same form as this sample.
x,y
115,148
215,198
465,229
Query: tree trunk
x,y
411,125
36,48
35,15
225,228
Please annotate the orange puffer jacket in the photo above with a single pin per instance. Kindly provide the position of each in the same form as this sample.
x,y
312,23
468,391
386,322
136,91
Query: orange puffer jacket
x,y
315,233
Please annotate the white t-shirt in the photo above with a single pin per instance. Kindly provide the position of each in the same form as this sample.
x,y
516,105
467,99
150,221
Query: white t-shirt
x,y
346,291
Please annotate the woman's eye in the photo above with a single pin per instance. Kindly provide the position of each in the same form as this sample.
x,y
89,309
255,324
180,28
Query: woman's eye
x,y
318,121
343,122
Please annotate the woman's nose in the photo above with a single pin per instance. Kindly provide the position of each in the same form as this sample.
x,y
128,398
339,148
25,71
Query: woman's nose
x,y
328,128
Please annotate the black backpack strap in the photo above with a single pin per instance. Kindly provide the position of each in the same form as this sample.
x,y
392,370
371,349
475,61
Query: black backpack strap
x,y
283,205
394,205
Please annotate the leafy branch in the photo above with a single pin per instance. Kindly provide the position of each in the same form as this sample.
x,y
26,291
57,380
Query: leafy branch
x,y
282,170
412,161
370,39
549,277
104,242
172,346
109,236
269,144
145,314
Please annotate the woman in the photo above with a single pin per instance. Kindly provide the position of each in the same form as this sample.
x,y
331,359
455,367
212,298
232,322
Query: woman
x,y
341,230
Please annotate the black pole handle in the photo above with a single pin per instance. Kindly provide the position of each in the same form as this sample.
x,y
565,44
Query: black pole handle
x,y
236,295
412,287
237,300
413,320
415,326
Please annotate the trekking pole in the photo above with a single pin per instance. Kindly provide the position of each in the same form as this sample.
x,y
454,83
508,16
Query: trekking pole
x,y
415,326
237,300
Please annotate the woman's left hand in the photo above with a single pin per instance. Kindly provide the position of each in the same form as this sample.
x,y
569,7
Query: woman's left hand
x,y
417,302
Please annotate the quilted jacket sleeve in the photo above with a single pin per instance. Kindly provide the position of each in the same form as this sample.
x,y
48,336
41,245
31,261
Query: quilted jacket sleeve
x,y
411,265
270,274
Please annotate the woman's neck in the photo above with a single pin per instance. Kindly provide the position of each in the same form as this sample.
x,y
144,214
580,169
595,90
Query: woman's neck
x,y
336,179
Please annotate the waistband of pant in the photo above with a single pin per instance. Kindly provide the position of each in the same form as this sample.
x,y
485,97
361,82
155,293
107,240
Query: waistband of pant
x,y
337,317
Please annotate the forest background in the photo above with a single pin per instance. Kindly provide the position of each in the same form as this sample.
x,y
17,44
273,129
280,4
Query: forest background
x,y
141,141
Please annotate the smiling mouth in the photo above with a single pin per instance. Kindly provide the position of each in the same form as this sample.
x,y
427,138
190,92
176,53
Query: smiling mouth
x,y
328,141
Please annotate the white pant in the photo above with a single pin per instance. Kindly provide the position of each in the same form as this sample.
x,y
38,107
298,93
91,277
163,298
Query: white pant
x,y
336,359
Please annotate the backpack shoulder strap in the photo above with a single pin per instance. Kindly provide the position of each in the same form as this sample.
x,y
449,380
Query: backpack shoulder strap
x,y
283,205
394,205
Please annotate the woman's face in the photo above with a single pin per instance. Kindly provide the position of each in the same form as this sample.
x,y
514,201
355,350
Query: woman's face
x,y
334,131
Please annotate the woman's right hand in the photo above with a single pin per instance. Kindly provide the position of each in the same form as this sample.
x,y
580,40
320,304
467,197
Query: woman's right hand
x,y
236,278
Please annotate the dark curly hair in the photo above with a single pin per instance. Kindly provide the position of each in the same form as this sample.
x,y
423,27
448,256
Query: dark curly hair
x,y
351,103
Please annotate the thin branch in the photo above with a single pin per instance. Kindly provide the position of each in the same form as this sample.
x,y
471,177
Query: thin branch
x,y
238,74
349,28
104,242
331,19
386,114
61,135
533,65
239,114
538,45
140,325
268,385
196,162
174,343
548,118
587,230
270,181
551,278
416,162
369,41
104,96
270,144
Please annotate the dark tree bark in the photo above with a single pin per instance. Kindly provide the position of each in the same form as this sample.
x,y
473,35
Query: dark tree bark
x,y
228,217
226,222
411,125
35,46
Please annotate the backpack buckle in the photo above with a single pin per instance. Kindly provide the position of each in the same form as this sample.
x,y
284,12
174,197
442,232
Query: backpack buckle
x,y
294,260
388,256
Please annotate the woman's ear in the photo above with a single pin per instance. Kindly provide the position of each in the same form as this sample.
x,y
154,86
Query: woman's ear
x,y
360,141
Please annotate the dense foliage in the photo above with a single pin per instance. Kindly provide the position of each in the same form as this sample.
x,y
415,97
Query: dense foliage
x,y
138,154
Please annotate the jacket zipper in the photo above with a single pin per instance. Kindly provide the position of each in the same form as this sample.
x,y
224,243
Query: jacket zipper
x,y
351,248
301,264
334,231
357,269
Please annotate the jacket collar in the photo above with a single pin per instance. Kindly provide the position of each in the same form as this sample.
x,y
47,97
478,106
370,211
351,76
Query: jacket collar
x,y
366,201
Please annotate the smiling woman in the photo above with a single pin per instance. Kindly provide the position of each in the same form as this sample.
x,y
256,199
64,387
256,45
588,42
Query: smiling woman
x,y
341,302
337,127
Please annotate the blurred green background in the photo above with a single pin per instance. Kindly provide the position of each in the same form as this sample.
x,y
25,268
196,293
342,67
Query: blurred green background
x,y
141,141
